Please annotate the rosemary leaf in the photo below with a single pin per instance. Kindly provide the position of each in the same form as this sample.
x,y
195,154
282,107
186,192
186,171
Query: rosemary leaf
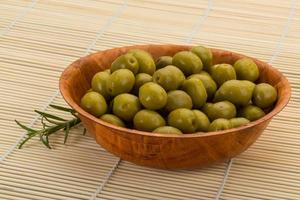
x,y
24,141
33,133
67,129
25,127
51,124
45,141
74,114
44,124
55,128
51,121
62,108
47,115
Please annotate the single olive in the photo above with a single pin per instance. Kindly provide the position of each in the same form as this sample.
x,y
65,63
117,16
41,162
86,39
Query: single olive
x,y
169,77
113,119
246,69
120,81
251,112
188,62
153,96
126,61
195,88
202,121
204,73
207,107
236,91
264,95
178,99
99,83
168,130
222,73
205,55
126,106
197,75
209,84
219,125
145,60
148,120
222,109
141,79
94,103
183,119
238,121
163,61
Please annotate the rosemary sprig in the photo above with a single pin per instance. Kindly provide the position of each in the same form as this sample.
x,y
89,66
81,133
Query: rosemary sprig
x,y
51,124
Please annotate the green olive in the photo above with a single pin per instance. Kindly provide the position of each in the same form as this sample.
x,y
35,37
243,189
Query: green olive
x,y
207,107
264,95
209,84
178,99
188,62
251,112
220,124
145,60
222,109
239,121
126,106
205,55
152,96
94,103
236,91
163,61
126,61
99,83
120,81
141,79
195,88
246,69
148,120
202,121
205,73
112,119
168,130
169,77
222,73
183,119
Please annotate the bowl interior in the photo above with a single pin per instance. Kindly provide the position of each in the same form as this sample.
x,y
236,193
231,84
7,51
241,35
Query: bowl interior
x,y
76,79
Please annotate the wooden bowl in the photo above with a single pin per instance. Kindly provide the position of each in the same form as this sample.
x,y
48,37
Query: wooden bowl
x,y
167,151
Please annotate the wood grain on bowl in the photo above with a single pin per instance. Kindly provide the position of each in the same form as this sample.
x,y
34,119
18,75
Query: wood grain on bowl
x,y
167,151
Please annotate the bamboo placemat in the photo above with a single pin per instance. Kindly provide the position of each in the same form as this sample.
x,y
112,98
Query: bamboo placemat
x,y
38,39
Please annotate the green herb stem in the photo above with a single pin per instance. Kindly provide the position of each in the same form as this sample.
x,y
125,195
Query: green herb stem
x,y
51,124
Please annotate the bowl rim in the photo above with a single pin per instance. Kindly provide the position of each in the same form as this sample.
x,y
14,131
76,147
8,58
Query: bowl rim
x,y
84,113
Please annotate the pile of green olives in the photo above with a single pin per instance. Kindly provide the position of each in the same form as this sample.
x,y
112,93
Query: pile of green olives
x,y
185,93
